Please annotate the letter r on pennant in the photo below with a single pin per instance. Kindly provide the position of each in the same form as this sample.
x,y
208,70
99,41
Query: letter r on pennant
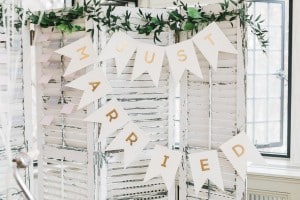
x,y
132,138
112,115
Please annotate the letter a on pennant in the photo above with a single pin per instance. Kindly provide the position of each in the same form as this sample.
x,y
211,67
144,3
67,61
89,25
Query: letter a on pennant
x,y
133,140
164,162
111,116
94,85
239,150
82,54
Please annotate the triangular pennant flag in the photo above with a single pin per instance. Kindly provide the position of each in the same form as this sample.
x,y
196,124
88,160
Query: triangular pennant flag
x,y
239,150
182,56
94,84
164,162
132,139
149,58
210,41
121,47
82,54
111,116
205,165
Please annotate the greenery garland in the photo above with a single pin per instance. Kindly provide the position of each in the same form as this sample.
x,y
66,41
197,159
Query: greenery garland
x,y
182,18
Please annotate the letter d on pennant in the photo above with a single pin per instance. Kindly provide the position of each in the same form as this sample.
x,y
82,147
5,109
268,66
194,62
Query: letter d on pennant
x,y
238,149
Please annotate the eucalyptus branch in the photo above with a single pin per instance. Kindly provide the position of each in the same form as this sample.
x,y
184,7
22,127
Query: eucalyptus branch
x,y
182,18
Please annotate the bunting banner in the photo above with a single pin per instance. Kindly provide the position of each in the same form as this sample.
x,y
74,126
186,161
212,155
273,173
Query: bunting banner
x,y
182,56
82,54
239,150
149,58
94,85
210,41
120,47
205,165
111,116
164,162
133,140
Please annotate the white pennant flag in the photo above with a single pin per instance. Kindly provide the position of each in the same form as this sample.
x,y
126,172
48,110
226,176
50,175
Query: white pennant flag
x,y
133,140
182,56
121,47
205,165
164,162
149,58
94,84
111,116
82,54
239,150
210,41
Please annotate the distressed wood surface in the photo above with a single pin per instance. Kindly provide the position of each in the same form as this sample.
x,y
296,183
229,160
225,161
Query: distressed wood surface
x,y
149,108
65,160
227,115
12,94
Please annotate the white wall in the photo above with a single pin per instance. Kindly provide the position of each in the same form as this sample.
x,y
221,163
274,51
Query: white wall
x,y
295,154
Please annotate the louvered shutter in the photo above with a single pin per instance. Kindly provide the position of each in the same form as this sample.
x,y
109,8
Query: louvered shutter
x,y
150,108
66,167
12,94
221,95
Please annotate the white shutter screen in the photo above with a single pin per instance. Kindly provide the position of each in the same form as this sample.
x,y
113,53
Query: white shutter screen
x,y
151,109
213,111
12,98
66,168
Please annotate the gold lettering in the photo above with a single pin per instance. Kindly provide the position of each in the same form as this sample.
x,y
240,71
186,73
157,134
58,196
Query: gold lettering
x,y
238,150
181,55
122,47
208,37
94,85
112,115
132,138
204,164
165,161
152,58
81,51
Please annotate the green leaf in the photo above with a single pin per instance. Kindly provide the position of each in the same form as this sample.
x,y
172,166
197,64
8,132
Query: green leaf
x,y
188,26
193,13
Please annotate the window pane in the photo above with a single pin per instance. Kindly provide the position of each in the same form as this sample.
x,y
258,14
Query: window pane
x,y
267,80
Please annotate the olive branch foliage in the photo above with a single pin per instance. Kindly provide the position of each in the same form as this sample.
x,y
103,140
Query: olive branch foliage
x,y
181,18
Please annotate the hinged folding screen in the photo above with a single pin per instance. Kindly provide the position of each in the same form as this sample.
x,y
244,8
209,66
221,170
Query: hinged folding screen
x,y
12,120
66,165
151,108
212,112
72,164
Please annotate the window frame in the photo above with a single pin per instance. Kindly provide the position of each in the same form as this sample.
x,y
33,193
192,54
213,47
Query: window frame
x,y
289,75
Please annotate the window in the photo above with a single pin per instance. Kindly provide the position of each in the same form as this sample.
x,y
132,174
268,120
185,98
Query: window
x,y
268,91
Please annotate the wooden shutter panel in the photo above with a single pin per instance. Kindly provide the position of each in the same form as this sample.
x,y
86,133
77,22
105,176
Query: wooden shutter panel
x,y
227,88
149,108
66,167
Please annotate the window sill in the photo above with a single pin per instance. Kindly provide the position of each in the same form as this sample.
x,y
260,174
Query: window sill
x,y
276,168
